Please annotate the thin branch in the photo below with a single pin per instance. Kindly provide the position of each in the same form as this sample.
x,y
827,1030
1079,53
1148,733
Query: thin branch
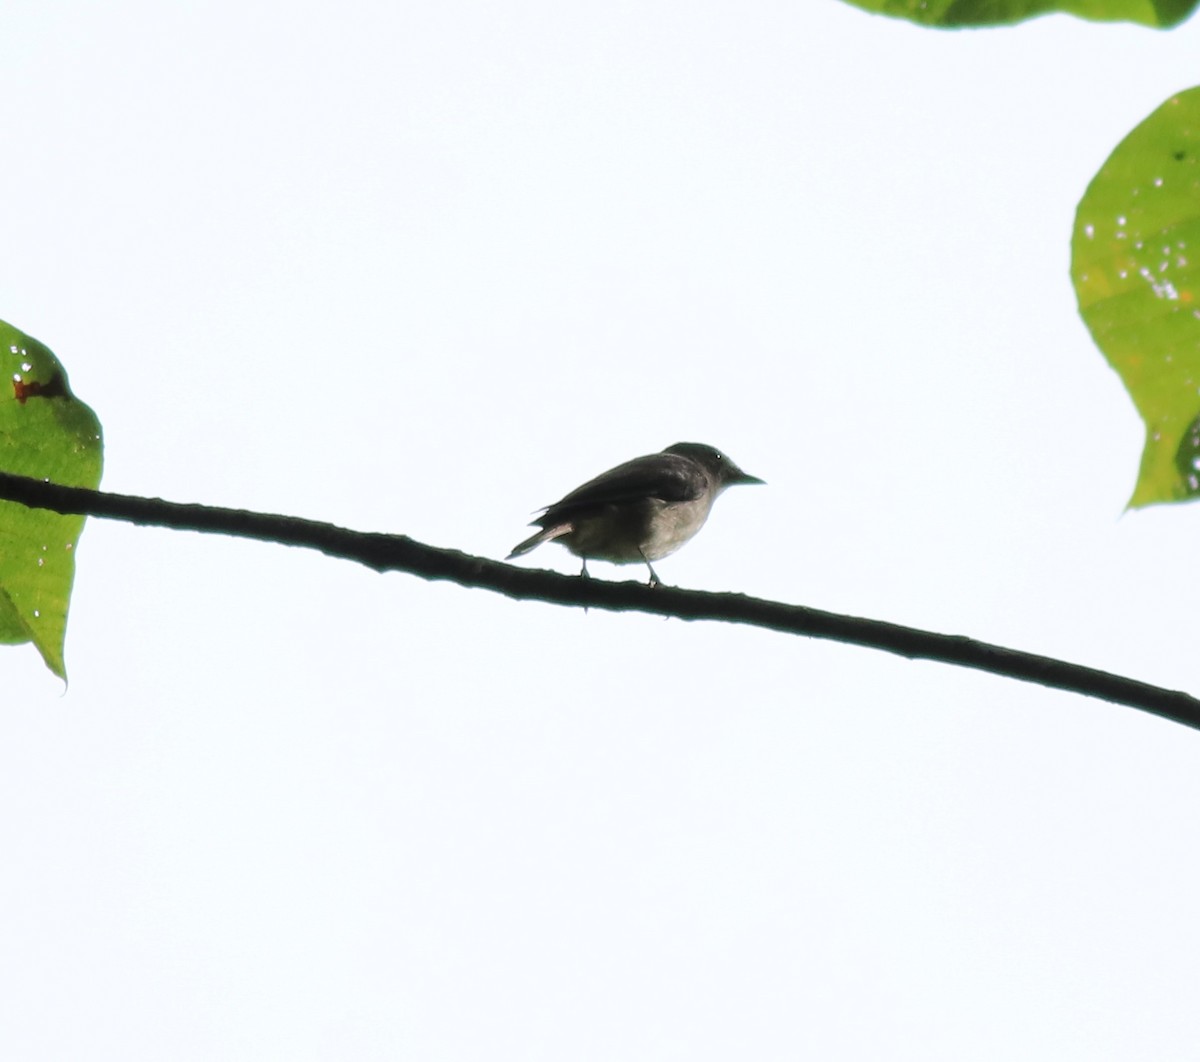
x,y
401,553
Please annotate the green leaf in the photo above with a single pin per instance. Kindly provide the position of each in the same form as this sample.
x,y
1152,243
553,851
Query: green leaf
x,y
950,14
47,433
1135,264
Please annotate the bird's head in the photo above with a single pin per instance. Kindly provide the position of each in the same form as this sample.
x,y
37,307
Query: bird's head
x,y
722,470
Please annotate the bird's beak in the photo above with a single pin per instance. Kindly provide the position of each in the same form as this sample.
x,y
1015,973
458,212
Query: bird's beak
x,y
747,479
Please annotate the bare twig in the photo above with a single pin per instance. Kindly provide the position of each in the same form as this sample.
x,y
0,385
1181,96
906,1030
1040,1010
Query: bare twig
x,y
401,553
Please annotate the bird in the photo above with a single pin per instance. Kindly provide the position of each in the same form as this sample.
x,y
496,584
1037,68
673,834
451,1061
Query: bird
x,y
640,511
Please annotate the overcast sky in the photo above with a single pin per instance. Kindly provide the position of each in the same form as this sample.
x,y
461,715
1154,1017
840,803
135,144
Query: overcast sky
x,y
425,267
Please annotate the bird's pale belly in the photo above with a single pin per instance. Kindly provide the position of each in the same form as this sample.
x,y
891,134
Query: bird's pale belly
x,y
628,534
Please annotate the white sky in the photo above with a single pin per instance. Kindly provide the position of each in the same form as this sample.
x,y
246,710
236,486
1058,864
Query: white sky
x,y
423,268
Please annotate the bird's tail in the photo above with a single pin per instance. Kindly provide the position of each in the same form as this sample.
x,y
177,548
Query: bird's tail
x,y
546,534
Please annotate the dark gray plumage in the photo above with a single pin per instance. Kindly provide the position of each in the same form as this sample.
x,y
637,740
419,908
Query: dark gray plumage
x,y
642,510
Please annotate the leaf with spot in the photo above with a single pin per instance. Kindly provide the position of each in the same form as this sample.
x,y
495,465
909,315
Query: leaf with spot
x,y
47,433
951,14
1135,264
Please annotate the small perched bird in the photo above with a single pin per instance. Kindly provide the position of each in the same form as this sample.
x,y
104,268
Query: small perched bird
x,y
642,510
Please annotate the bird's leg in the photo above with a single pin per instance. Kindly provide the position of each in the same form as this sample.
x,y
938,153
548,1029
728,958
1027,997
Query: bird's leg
x,y
654,579
584,575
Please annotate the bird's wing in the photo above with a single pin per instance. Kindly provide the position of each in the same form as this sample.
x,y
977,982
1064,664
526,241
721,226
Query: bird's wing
x,y
668,477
